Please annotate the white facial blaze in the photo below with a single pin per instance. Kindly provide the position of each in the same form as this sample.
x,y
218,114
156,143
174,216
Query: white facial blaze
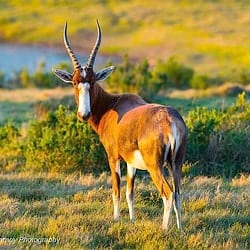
x,y
84,99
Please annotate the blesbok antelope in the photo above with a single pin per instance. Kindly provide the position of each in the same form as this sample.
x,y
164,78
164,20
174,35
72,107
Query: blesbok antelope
x,y
146,136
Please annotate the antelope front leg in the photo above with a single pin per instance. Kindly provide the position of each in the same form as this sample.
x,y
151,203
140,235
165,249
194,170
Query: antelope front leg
x,y
116,179
130,190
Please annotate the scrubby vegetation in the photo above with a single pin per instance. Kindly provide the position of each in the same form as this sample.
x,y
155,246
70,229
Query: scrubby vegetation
x,y
219,139
218,143
57,144
24,79
62,144
137,77
46,155
148,81
47,192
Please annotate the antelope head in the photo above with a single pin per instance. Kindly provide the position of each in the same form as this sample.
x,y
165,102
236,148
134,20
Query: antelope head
x,y
83,78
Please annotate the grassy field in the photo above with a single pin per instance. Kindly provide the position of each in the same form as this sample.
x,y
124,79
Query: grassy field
x,y
59,211
18,105
75,212
211,36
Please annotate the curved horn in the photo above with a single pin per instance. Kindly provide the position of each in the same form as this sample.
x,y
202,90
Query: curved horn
x,y
72,56
93,53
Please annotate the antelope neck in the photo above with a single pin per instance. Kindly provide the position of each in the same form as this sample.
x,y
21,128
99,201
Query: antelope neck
x,y
101,102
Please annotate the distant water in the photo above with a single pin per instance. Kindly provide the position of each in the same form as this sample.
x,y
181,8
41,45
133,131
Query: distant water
x,y
14,57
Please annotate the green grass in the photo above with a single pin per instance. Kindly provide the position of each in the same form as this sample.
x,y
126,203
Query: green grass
x,y
20,106
211,36
184,105
16,112
22,112
77,211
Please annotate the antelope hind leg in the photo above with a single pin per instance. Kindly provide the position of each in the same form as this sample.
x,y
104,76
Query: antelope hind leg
x,y
177,209
168,204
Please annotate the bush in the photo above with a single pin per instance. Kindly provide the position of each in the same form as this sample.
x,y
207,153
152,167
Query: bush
x,y
141,79
201,123
122,79
218,143
2,79
219,140
40,78
8,133
177,74
10,152
41,108
199,82
62,144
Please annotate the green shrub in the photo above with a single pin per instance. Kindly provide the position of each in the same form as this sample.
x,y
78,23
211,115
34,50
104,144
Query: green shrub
x,y
41,108
25,79
62,144
201,123
10,151
122,79
141,79
40,78
199,82
8,133
219,140
2,79
178,75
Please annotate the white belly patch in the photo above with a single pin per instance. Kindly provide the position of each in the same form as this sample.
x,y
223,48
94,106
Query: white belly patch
x,y
137,161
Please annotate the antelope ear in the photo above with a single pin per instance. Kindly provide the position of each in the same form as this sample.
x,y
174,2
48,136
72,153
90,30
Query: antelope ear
x,y
63,75
104,73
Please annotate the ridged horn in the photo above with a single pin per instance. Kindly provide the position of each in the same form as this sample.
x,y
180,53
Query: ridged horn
x,y
72,56
93,53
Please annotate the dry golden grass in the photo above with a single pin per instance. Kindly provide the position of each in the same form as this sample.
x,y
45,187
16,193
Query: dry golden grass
x,y
221,90
77,211
18,104
33,94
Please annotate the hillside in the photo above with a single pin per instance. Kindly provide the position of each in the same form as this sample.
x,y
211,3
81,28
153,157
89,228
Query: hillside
x,y
211,36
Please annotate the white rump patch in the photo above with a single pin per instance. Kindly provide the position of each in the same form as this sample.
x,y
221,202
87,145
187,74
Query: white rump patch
x,y
137,161
173,143
174,140
176,136
84,99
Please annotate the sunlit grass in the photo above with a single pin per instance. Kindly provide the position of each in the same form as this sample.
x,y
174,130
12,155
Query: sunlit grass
x,y
18,104
33,94
77,210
